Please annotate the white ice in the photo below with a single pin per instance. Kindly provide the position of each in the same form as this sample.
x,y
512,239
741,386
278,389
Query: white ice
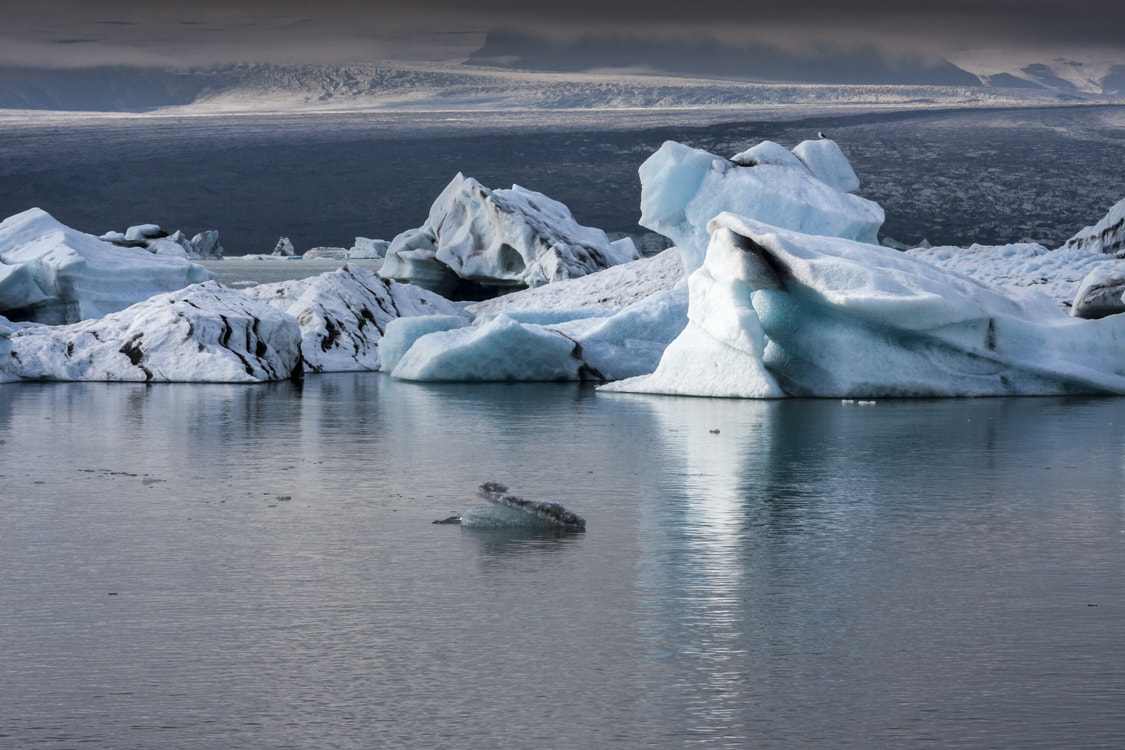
x,y
367,249
608,325
1078,278
840,318
343,314
204,333
53,274
513,238
683,188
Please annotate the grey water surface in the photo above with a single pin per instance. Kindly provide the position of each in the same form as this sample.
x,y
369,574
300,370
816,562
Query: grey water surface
x,y
197,566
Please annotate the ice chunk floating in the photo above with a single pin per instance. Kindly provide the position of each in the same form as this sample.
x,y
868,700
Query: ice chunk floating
x,y
499,238
205,333
512,511
795,314
50,273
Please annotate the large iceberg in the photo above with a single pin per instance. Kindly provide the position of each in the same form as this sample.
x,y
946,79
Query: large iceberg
x,y
204,333
499,238
550,333
801,315
50,273
343,314
806,190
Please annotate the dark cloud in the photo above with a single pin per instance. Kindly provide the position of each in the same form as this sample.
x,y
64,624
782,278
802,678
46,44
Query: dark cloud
x,y
135,31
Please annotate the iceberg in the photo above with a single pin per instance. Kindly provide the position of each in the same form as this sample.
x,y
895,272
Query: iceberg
x,y
499,350
50,273
548,328
1106,237
513,511
343,314
203,246
401,333
6,330
499,238
683,188
204,333
325,253
804,315
367,249
612,324
143,232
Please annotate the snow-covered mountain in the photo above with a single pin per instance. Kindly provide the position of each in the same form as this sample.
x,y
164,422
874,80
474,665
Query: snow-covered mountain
x,y
1075,72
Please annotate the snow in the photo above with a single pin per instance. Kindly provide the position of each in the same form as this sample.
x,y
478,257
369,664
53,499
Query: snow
x,y
683,188
844,319
204,333
513,238
1107,236
343,314
53,274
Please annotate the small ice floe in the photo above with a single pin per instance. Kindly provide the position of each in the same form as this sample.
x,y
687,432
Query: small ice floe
x,y
512,511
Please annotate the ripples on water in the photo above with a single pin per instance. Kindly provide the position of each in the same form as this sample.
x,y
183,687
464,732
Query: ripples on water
x,y
214,566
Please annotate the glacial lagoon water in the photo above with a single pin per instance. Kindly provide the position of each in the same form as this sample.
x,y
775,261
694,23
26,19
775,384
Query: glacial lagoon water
x,y
206,566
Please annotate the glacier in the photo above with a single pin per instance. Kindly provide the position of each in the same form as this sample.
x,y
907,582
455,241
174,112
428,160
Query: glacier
x,y
499,238
50,273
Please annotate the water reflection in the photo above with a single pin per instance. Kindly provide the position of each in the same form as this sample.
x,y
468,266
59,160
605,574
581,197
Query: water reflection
x,y
765,560
506,542
787,574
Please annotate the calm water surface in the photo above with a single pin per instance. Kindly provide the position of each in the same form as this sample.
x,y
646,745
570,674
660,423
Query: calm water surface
x,y
214,566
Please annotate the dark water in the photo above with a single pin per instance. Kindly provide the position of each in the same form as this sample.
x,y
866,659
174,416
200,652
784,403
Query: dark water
x,y
952,177
223,566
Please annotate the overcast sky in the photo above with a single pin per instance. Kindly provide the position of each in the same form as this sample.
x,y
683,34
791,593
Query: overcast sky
x,y
83,32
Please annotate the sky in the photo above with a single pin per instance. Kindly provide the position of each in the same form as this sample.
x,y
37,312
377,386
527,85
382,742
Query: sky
x,y
66,33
